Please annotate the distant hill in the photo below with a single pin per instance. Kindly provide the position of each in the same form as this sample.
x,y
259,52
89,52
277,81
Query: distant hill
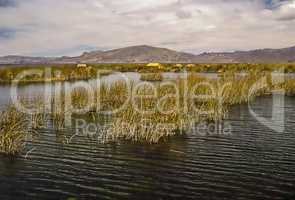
x,y
285,55
137,54
147,54
25,60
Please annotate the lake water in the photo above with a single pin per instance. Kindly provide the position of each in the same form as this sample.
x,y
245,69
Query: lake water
x,y
253,162
31,90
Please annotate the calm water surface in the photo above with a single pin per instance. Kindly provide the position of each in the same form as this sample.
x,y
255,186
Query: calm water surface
x,y
253,162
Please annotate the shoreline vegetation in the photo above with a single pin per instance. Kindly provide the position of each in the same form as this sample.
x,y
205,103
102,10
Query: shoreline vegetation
x,y
190,110
14,131
45,74
71,72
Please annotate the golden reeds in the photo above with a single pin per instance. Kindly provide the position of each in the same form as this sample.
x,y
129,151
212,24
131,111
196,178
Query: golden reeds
x,y
153,114
13,131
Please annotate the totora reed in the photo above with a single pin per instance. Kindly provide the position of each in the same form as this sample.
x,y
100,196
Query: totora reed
x,y
146,112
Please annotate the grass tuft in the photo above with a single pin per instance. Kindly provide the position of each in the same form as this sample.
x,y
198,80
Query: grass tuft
x,y
13,132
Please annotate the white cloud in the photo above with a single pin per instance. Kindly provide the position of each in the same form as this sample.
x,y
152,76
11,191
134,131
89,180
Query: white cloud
x,y
286,11
55,27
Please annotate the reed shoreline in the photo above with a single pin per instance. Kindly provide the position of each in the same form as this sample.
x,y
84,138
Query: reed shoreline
x,y
231,90
72,72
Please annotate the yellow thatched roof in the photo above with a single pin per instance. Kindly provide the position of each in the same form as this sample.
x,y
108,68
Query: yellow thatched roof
x,y
81,65
153,65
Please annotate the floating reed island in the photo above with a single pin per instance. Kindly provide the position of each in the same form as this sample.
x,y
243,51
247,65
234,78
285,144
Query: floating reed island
x,y
72,72
59,73
146,112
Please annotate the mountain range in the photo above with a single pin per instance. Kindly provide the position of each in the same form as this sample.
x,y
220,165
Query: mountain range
x,y
147,54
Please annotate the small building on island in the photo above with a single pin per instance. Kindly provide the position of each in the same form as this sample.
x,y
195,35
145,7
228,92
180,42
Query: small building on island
x,y
81,65
153,65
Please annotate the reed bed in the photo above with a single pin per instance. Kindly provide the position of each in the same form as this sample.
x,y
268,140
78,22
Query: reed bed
x,y
145,123
13,131
152,125
17,128
141,120
153,114
156,126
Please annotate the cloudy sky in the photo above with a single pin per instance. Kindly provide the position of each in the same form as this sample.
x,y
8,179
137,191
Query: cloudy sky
x,y
69,27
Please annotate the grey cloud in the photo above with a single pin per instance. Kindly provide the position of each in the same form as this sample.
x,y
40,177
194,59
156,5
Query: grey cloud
x,y
43,27
286,11
7,3
7,33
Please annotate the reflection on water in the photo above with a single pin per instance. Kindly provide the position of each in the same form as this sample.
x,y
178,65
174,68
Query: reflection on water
x,y
253,162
